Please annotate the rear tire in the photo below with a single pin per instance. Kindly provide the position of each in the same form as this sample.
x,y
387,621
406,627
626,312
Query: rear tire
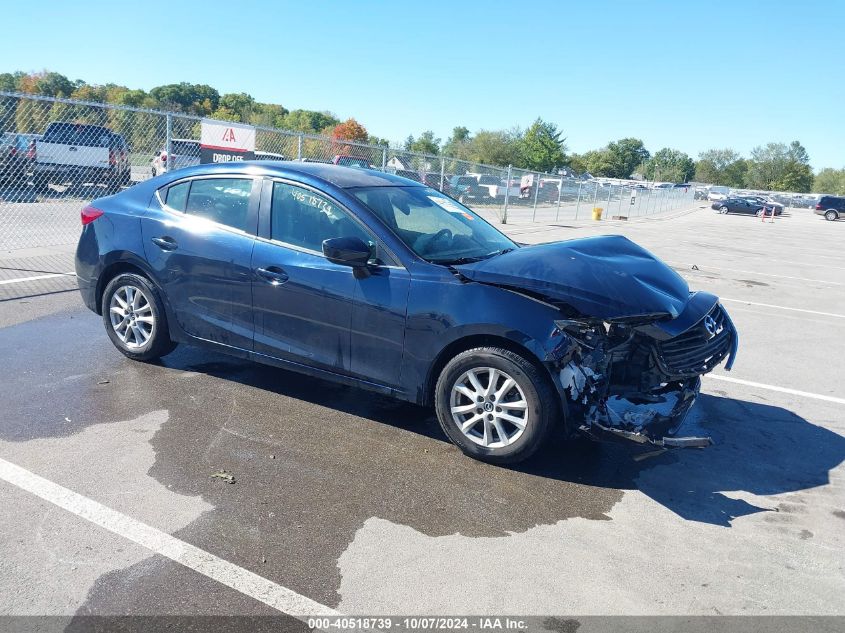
x,y
831,215
503,423
134,318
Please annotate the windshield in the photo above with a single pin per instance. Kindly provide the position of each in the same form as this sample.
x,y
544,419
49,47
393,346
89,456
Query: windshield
x,y
433,225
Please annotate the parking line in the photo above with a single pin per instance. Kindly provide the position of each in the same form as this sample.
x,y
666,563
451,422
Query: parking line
x,y
793,392
757,272
246,582
20,280
770,305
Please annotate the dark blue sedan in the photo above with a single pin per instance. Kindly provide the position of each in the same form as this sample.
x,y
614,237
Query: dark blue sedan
x,y
385,284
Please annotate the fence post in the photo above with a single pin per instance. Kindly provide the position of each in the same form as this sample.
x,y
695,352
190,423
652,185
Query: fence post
x,y
167,143
507,195
442,172
299,147
595,194
578,203
559,192
383,158
609,196
536,193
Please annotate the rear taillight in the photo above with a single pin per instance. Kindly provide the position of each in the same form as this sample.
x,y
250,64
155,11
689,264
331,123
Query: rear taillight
x,y
112,158
89,214
30,153
164,158
818,207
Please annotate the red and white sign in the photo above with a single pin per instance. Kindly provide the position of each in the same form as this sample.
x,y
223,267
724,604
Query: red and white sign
x,y
223,142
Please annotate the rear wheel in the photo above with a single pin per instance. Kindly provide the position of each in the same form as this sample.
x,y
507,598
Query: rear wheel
x,y
831,215
134,318
495,405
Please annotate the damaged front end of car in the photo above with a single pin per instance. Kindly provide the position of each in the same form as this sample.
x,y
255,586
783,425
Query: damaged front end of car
x,y
632,341
631,379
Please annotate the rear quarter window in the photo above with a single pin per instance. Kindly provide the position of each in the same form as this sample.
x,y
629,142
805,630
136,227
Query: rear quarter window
x,y
176,196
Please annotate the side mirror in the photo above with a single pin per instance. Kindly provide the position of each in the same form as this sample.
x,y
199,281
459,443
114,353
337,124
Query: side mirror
x,y
347,251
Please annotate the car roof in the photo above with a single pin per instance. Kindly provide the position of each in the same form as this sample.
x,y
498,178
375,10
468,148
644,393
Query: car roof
x,y
337,175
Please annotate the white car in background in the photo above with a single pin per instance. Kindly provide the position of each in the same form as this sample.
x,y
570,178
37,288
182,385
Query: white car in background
x,y
718,193
184,153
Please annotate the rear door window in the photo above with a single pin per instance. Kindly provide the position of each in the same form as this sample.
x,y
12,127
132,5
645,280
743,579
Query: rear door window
x,y
221,200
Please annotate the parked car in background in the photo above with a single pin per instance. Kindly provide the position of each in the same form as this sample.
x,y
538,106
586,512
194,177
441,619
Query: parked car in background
x,y
381,283
718,192
769,205
699,194
737,205
432,179
831,207
17,153
408,173
466,188
184,152
351,161
79,153
490,183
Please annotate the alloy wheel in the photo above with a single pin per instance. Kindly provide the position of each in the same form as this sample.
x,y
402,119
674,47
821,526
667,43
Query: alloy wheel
x,y
131,316
489,407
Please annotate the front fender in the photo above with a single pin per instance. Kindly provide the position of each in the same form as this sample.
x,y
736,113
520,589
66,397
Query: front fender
x,y
442,313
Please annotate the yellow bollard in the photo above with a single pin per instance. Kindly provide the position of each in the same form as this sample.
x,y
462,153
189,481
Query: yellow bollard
x,y
597,211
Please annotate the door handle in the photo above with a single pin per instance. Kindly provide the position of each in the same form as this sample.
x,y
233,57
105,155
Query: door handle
x,y
272,275
165,243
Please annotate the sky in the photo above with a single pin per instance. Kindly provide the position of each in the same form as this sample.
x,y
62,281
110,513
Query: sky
x,y
686,75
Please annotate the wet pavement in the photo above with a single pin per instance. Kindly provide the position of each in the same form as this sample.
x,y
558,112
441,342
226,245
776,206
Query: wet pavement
x,y
359,503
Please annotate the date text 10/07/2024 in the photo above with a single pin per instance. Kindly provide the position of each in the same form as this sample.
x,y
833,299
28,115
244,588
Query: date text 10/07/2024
x,y
417,623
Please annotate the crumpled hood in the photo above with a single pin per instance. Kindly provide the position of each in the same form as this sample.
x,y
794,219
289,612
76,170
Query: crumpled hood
x,y
604,277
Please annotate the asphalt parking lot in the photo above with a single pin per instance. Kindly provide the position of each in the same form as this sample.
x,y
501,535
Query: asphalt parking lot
x,y
359,504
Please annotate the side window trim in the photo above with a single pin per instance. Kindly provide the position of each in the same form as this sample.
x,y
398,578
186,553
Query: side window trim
x,y
265,216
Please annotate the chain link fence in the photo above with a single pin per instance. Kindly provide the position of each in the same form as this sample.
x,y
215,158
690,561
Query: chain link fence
x,y
56,154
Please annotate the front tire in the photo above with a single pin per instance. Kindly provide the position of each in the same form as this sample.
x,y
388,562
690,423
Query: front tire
x,y
495,405
134,318
831,215
723,210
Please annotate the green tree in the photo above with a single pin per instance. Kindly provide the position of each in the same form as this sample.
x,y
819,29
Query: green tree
x,y
456,146
235,107
308,121
53,85
10,82
197,99
372,139
830,180
425,144
501,147
721,167
542,148
625,156
670,165
268,114
598,162
780,167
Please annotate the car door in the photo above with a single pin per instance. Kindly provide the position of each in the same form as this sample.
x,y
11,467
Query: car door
x,y
198,237
312,311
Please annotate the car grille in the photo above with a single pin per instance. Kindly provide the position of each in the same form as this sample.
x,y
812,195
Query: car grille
x,y
699,349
